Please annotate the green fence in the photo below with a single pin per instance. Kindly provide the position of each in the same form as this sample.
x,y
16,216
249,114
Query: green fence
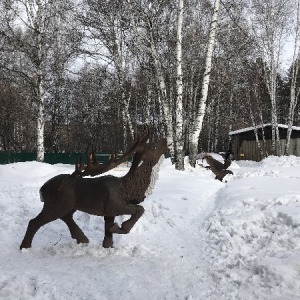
x,y
50,158
53,158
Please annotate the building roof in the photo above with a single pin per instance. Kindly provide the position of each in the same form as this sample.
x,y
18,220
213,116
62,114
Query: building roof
x,y
259,126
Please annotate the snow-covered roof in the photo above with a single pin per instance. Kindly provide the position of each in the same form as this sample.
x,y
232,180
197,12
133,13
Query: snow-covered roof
x,y
259,126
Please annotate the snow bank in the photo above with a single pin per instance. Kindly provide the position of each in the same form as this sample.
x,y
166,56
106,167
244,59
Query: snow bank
x,y
254,232
198,239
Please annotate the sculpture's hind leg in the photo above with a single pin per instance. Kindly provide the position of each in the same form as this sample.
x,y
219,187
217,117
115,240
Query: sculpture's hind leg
x,y
108,237
34,225
75,230
136,211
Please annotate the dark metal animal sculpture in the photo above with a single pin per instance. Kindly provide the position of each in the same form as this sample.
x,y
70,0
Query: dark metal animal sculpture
x,y
218,168
106,196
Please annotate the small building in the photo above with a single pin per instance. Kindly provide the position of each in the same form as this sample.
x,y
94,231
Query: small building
x,y
245,147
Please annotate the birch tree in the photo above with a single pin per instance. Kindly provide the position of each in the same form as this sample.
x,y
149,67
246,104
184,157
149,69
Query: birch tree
x,y
15,125
27,33
36,14
107,24
270,21
147,21
205,84
179,164
65,49
249,96
294,87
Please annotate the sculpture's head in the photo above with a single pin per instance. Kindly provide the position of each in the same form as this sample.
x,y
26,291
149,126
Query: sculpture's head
x,y
153,151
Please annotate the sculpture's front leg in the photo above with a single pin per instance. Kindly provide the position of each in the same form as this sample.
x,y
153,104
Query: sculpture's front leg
x,y
136,212
108,236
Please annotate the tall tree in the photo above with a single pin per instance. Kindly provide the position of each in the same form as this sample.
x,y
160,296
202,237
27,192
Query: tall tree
x,y
29,33
61,63
205,84
152,23
107,23
179,163
294,87
270,24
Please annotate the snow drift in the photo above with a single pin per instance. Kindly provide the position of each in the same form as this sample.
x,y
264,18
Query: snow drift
x,y
198,239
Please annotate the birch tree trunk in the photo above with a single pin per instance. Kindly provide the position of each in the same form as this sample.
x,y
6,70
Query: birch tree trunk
x,y
271,82
117,57
191,100
36,14
230,117
294,89
209,114
254,124
147,43
271,22
115,47
106,25
179,163
217,122
165,102
205,84
40,118
30,35
253,91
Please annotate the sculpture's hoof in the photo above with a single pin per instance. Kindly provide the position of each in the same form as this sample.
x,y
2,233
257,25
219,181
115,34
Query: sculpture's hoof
x,y
115,229
25,246
107,243
83,240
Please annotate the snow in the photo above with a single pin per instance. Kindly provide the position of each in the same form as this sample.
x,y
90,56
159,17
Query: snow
x,y
259,126
198,239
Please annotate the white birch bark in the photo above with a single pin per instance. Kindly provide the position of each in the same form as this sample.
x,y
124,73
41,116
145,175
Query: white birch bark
x,y
115,47
108,29
209,111
265,154
294,89
217,123
230,117
148,104
117,59
191,97
271,82
40,119
261,145
254,124
205,84
36,14
164,101
271,21
179,164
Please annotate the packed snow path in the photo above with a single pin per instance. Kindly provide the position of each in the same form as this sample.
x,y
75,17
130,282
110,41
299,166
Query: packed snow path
x,y
198,239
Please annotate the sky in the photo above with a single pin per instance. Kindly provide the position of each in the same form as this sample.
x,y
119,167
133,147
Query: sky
x,y
199,238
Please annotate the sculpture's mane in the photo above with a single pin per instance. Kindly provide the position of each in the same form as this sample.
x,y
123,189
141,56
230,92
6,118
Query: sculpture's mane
x,y
154,176
140,184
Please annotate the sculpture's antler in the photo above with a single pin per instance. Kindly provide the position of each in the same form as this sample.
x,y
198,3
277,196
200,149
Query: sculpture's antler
x,y
93,168
145,139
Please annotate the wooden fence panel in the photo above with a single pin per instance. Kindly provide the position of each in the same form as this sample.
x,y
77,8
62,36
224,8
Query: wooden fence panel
x,y
249,149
